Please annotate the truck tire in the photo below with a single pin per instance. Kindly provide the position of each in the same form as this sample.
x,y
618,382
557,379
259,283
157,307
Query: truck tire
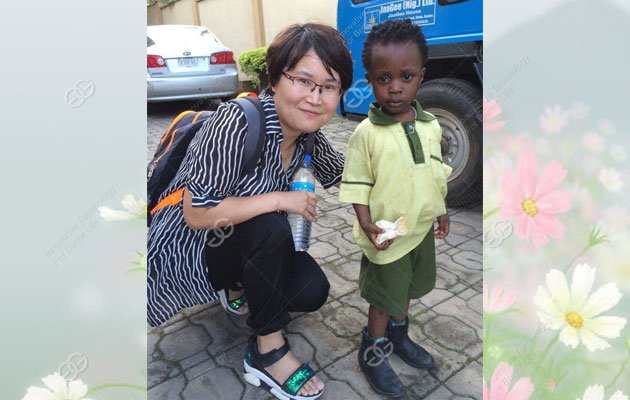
x,y
457,105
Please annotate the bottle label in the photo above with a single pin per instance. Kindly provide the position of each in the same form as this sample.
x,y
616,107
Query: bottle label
x,y
305,186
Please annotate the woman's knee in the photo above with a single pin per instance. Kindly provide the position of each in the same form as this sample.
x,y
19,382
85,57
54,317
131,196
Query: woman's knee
x,y
310,285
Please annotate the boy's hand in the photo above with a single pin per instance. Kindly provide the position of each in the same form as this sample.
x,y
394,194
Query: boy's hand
x,y
444,224
372,231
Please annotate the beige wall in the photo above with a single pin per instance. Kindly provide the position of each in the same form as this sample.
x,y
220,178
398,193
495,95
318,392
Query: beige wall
x,y
180,12
279,14
233,20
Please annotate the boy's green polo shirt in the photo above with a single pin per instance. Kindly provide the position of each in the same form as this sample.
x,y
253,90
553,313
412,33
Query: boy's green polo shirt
x,y
397,170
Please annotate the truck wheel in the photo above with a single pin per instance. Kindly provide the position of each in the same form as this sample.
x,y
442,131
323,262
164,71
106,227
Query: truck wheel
x,y
457,105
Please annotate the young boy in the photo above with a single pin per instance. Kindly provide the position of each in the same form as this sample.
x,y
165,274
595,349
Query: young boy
x,y
394,169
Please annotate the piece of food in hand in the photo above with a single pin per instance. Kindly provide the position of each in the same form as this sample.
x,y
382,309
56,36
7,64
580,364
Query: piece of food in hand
x,y
392,229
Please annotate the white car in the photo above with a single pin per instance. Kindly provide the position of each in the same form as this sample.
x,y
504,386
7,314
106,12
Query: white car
x,y
186,62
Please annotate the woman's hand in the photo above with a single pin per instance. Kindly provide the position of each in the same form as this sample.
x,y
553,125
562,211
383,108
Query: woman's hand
x,y
299,202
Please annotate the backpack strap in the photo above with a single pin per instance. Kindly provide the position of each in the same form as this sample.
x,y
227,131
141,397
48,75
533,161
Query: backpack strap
x,y
255,138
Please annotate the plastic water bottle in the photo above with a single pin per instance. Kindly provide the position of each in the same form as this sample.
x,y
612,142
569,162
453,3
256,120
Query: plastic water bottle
x,y
304,179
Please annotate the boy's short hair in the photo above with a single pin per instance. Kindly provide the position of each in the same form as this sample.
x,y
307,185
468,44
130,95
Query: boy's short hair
x,y
294,42
394,31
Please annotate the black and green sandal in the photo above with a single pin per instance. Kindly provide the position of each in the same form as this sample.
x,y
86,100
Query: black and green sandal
x,y
233,306
254,364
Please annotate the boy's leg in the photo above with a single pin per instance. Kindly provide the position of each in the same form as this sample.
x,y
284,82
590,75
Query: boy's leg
x,y
377,322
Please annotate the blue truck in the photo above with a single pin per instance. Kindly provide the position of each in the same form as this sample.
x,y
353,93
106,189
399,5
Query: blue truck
x,y
452,88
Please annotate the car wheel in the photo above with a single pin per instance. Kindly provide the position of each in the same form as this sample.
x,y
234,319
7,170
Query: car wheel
x,y
457,105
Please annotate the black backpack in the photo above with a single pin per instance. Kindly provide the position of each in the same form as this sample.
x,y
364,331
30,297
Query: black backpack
x,y
175,141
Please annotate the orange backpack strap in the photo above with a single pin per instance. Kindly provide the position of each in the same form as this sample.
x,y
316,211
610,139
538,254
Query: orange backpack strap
x,y
172,199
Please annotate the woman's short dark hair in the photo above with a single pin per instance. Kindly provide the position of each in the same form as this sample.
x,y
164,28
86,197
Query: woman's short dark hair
x,y
294,42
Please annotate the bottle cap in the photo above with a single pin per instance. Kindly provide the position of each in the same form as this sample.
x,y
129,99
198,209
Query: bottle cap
x,y
307,158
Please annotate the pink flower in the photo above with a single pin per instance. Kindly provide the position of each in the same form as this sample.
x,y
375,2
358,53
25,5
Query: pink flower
x,y
532,203
515,144
500,383
491,110
553,120
498,300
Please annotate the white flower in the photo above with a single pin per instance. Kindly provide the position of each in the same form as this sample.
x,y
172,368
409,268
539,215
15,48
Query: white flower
x,y
578,110
134,209
593,142
610,178
618,153
596,392
57,388
553,120
575,312
606,127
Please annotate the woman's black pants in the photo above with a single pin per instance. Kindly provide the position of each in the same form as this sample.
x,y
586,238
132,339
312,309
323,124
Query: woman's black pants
x,y
261,255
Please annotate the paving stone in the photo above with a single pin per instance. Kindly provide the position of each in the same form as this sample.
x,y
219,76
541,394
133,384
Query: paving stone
x,y
337,390
465,274
355,300
224,333
472,219
321,249
222,384
345,322
469,259
472,245
318,230
347,370
445,279
200,308
326,344
450,332
452,251
344,245
170,327
158,371
453,239
435,297
423,317
476,303
184,343
467,294
152,341
347,269
194,360
167,390
456,307
339,287
467,382
460,228
475,351
440,393
202,368
447,362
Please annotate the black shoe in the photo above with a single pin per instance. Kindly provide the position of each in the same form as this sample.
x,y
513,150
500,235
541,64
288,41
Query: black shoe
x,y
410,352
373,362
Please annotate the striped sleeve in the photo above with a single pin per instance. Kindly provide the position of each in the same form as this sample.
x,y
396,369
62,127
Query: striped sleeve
x,y
358,177
215,157
327,162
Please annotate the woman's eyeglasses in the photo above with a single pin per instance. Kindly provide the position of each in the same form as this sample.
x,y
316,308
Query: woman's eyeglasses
x,y
326,90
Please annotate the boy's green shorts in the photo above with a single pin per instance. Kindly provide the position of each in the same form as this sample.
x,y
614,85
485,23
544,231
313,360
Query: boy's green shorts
x,y
388,286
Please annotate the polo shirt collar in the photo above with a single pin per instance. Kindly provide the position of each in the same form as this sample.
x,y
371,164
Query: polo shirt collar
x,y
378,117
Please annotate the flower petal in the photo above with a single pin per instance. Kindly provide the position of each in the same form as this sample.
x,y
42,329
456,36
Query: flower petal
x,y
559,289
581,284
77,389
38,393
595,392
55,383
608,327
569,336
485,391
618,395
522,390
557,201
552,175
500,381
549,313
592,341
603,299
526,169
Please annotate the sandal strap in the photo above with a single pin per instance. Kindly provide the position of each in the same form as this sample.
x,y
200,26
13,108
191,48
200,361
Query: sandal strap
x,y
274,355
300,376
236,303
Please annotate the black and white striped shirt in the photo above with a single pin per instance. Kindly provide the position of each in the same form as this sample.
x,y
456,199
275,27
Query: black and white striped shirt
x,y
177,276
